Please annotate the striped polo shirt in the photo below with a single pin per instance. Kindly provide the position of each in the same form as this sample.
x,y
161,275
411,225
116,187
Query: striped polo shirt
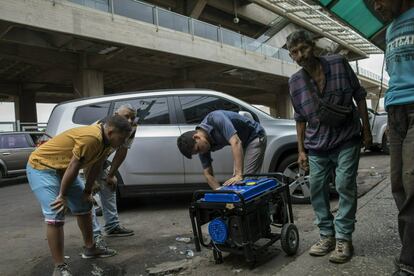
x,y
341,87
400,60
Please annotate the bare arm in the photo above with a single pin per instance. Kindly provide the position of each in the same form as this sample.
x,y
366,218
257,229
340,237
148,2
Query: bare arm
x,y
119,157
93,174
302,158
59,204
211,180
363,113
69,176
237,150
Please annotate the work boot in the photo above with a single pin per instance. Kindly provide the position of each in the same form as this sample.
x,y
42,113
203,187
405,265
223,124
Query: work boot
x,y
343,252
62,270
402,273
325,245
402,269
98,252
119,231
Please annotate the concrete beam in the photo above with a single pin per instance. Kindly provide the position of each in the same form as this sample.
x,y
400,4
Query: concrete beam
x,y
9,88
100,62
4,28
65,17
38,56
50,97
89,83
24,36
198,8
237,83
251,12
227,22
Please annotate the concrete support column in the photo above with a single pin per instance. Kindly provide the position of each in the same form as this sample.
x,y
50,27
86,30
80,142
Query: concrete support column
x,y
183,84
182,81
282,107
374,103
89,83
25,107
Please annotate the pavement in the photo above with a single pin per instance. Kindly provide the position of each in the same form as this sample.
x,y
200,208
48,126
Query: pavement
x,y
157,223
375,240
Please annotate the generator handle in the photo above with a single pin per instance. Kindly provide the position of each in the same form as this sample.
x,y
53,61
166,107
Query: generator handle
x,y
198,194
274,174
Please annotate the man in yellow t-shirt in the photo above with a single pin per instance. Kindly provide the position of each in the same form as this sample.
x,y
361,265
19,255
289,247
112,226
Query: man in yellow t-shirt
x,y
53,170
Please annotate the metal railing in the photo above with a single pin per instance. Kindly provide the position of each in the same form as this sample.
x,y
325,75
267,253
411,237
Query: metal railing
x,y
164,18
18,126
366,73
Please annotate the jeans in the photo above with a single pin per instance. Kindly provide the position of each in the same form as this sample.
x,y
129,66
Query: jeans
x,y
109,209
345,164
401,138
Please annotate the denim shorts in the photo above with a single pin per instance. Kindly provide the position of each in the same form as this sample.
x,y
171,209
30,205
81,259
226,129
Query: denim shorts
x,y
45,184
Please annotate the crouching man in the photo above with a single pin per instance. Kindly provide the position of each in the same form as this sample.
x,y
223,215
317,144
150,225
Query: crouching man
x,y
52,172
221,128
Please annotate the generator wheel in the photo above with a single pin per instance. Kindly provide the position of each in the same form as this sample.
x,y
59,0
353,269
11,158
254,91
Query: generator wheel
x,y
289,239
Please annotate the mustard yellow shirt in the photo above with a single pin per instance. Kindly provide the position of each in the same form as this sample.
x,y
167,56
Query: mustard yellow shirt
x,y
86,143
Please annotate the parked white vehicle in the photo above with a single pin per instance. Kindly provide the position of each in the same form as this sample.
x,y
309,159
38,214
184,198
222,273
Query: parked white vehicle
x,y
378,122
154,164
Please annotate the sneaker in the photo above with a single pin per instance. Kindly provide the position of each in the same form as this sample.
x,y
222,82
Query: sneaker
x,y
402,273
62,270
119,231
343,252
100,242
98,252
325,245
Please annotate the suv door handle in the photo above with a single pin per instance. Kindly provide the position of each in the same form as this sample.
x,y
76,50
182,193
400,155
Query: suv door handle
x,y
6,153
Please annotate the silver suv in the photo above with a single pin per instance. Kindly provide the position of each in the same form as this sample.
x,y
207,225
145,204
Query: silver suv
x,y
154,165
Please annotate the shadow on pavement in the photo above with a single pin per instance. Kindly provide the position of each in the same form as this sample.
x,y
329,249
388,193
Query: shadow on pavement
x,y
155,203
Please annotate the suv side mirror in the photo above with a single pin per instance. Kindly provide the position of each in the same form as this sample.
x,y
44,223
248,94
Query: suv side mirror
x,y
246,114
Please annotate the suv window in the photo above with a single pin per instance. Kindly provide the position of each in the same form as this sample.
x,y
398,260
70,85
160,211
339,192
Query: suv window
x,y
37,138
150,111
195,108
14,141
88,114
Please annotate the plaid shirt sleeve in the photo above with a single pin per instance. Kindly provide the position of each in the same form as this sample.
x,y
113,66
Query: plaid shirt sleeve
x,y
359,92
293,86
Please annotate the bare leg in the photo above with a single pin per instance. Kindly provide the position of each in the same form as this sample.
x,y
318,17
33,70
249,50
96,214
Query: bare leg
x,y
85,225
55,239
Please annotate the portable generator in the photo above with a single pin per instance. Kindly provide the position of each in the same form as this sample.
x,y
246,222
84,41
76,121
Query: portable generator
x,y
257,209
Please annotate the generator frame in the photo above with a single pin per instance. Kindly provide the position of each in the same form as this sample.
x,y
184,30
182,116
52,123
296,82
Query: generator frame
x,y
202,212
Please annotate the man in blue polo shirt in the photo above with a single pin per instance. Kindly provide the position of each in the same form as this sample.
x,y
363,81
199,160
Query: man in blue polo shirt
x,y
221,128
399,102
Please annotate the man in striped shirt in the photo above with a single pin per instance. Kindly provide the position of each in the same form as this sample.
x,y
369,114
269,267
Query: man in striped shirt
x,y
329,79
399,102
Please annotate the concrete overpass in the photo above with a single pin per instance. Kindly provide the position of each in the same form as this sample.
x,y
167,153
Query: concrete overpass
x,y
52,51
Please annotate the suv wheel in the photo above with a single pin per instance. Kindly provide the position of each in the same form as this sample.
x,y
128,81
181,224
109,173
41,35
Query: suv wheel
x,y
298,180
2,173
